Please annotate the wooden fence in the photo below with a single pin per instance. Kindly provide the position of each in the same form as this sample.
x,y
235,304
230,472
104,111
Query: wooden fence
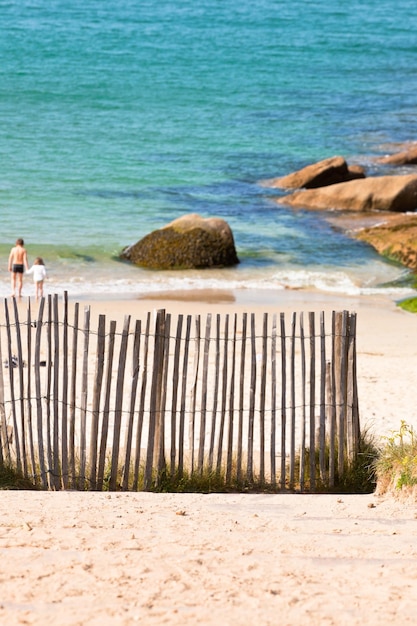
x,y
269,400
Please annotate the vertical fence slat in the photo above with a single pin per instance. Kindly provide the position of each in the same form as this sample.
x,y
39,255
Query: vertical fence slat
x,y
57,465
10,365
64,410
141,411
5,444
344,380
175,387
333,413
292,395
95,414
303,404
29,390
223,395
73,393
273,441
337,338
106,407
161,461
20,363
252,392
133,393
154,431
262,400
283,403
351,449
322,427
229,458
193,390
84,396
204,395
183,398
239,459
114,468
51,474
38,393
215,396
341,330
354,384
331,420
312,401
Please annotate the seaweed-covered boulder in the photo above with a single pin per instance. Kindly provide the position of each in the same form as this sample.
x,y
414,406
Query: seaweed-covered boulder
x,y
396,239
189,242
378,193
321,174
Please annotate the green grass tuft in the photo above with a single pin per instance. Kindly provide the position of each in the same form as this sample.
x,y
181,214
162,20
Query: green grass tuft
x,y
396,466
12,479
408,304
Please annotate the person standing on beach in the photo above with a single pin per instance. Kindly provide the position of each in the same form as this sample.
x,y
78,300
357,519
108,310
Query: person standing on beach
x,y
39,274
18,262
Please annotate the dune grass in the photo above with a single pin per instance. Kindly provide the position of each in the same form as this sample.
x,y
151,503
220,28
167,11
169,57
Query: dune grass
x,y
396,465
10,478
359,476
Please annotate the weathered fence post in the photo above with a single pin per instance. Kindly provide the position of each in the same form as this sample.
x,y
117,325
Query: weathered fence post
x,y
38,393
133,392
95,417
153,459
292,404
73,394
84,395
64,410
10,365
4,435
106,407
114,469
204,396
283,402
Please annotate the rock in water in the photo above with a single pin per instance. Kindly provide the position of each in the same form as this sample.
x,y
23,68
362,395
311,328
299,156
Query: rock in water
x,y
378,193
189,242
321,174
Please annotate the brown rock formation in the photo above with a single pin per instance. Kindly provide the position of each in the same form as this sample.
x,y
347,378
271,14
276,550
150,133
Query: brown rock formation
x,y
328,172
381,193
395,239
405,157
186,243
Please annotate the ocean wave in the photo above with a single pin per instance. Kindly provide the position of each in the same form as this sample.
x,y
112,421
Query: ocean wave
x,y
140,283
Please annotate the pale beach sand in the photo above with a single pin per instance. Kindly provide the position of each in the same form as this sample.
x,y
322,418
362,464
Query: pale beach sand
x,y
125,558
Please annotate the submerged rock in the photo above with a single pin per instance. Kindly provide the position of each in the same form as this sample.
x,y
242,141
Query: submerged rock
x,y
189,242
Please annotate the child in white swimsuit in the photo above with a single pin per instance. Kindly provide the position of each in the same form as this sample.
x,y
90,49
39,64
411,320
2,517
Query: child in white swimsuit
x,y
39,274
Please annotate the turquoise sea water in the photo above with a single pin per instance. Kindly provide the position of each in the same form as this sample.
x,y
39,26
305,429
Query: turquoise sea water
x,y
118,117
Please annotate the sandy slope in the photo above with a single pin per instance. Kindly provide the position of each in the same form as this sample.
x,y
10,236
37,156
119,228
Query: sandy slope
x,y
77,558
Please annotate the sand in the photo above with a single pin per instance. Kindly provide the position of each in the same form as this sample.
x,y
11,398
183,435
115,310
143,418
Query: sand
x,y
125,558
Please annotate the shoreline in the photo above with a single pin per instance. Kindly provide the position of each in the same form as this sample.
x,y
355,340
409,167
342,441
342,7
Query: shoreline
x,y
249,297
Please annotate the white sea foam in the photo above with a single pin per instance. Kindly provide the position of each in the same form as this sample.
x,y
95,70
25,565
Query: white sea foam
x,y
137,283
